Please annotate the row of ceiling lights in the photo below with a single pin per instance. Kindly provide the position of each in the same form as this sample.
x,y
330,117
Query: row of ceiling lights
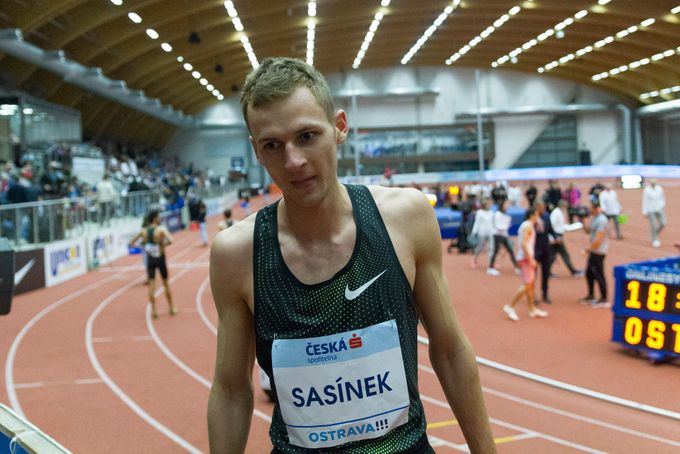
x,y
311,31
597,45
488,31
430,31
153,34
635,64
238,26
557,31
372,29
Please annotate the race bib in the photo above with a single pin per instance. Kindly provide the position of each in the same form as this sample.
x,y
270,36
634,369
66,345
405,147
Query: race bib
x,y
153,249
341,388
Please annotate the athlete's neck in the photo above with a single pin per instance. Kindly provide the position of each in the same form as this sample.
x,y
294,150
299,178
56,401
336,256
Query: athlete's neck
x,y
321,221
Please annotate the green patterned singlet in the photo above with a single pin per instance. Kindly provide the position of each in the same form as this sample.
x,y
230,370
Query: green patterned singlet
x,y
285,308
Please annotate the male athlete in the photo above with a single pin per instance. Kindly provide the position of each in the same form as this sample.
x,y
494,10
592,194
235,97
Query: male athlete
x,y
327,292
155,238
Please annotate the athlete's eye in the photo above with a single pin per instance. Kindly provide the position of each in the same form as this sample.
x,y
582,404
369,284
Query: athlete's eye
x,y
271,146
306,136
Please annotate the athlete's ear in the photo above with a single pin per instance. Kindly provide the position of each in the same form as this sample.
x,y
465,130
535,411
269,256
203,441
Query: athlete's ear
x,y
341,127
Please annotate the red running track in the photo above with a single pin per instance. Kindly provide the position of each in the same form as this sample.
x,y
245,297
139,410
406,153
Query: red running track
x,y
85,363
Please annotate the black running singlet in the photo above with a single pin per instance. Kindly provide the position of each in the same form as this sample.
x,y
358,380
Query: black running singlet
x,y
354,299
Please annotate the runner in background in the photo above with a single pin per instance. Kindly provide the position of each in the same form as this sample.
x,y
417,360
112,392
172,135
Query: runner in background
x,y
155,238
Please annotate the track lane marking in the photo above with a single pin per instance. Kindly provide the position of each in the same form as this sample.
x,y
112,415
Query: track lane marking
x,y
568,414
11,354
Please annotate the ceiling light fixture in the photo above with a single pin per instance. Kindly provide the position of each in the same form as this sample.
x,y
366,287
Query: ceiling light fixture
x,y
166,47
151,33
117,2
134,17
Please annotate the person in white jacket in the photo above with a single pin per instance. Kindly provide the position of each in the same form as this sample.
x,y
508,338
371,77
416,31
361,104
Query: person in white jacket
x,y
653,203
501,223
483,229
611,207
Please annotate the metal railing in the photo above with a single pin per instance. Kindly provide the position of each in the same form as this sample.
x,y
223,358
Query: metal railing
x,y
53,220
60,219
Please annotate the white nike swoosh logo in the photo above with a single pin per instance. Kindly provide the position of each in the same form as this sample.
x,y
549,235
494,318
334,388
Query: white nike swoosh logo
x,y
353,294
21,274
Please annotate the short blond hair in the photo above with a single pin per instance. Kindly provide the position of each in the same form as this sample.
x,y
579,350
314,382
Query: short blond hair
x,y
277,78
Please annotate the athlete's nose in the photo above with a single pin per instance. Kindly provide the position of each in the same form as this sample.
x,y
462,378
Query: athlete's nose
x,y
294,157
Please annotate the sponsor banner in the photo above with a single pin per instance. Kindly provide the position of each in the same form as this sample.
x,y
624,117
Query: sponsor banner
x,y
64,260
29,270
172,220
109,245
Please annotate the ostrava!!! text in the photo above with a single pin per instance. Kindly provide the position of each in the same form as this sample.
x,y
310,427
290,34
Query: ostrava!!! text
x,y
342,391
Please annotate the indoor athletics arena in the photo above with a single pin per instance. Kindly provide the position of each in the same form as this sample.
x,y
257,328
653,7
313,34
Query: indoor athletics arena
x,y
136,204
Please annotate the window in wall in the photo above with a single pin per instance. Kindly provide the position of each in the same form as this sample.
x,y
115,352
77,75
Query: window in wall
x,y
556,146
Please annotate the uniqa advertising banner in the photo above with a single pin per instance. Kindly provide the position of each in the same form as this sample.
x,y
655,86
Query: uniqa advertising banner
x,y
64,260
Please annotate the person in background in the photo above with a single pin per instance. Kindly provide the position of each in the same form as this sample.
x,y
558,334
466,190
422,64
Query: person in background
x,y
543,249
594,192
553,194
557,243
514,195
527,264
501,223
653,204
155,239
609,202
483,229
106,195
531,194
596,250
573,197
227,221
200,218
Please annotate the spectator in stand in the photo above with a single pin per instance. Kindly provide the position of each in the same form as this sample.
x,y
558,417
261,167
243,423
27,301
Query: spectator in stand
x,y
483,229
596,251
51,181
107,196
531,194
573,197
543,250
653,204
557,244
501,223
609,202
552,195
527,263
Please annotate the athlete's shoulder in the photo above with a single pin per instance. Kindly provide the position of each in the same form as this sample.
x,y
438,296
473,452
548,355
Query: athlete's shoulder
x,y
401,201
234,241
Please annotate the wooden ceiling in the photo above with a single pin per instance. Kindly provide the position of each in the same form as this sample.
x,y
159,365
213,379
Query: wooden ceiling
x,y
98,33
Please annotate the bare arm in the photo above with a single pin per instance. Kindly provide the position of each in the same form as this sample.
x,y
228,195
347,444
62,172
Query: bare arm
x,y
230,406
136,238
597,241
450,352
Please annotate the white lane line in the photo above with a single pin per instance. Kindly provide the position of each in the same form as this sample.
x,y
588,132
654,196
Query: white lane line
x,y
188,370
107,340
199,306
435,442
521,429
572,388
44,384
89,344
567,414
12,353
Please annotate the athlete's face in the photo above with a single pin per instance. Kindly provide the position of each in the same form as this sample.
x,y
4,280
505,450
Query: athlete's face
x,y
294,141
